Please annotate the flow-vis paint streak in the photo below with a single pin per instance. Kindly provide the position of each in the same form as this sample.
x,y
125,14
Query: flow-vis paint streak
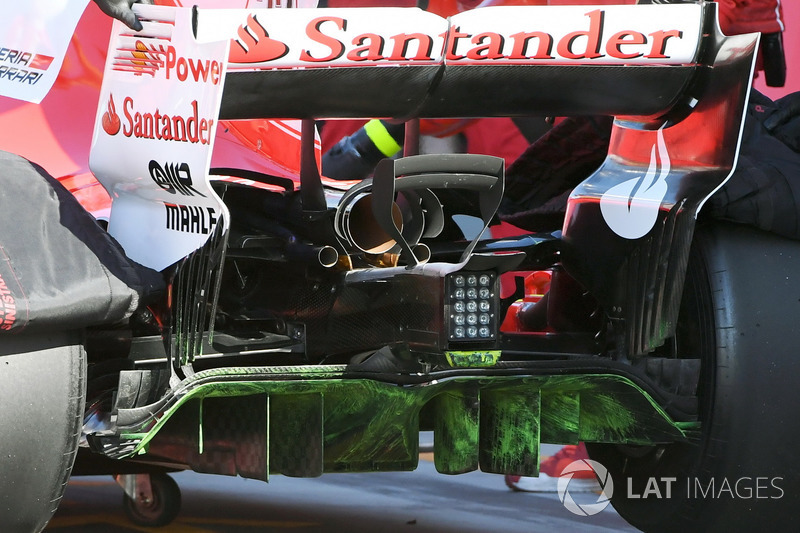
x,y
154,134
34,36
532,35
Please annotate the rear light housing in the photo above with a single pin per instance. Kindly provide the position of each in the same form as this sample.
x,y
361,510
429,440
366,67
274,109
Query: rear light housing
x,y
471,308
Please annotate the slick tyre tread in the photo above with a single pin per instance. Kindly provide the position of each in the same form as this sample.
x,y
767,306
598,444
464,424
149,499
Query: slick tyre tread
x,y
42,396
740,312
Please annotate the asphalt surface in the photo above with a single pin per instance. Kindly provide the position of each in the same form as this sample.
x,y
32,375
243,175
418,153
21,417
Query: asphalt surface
x,y
412,502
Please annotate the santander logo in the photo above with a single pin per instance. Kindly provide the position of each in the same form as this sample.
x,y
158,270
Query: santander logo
x,y
254,44
110,120
631,208
601,36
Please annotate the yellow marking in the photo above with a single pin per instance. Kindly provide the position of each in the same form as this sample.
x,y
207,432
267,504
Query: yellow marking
x,y
382,139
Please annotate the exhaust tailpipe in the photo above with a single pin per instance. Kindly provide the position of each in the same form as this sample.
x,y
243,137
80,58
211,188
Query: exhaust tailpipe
x,y
325,256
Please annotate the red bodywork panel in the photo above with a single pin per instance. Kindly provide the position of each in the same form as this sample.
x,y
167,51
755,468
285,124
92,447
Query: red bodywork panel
x,y
57,133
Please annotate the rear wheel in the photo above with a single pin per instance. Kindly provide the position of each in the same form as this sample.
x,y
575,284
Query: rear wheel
x,y
42,394
741,315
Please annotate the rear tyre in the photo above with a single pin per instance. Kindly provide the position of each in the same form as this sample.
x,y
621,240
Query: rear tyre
x,y
42,395
741,315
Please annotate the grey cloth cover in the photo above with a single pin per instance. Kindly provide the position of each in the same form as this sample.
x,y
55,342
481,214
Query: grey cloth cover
x,y
59,270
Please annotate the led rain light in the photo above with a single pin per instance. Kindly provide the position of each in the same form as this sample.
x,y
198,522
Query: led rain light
x,y
471,307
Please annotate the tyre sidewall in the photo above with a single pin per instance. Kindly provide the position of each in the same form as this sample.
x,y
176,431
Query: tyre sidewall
x,y
42,395
742,475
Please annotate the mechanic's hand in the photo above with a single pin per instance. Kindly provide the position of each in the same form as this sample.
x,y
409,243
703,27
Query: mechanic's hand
x,y
121,9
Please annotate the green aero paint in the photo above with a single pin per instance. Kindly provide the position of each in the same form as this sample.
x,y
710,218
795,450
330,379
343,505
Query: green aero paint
x,y
320,421
473,359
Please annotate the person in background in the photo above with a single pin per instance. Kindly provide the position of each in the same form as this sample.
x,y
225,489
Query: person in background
x,y
766,17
